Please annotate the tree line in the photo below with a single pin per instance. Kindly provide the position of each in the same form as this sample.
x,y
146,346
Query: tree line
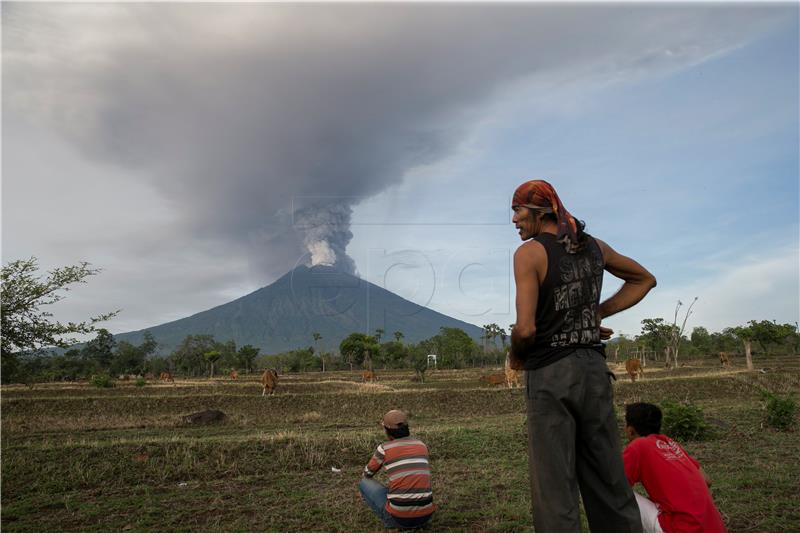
x,y
203,355
28,333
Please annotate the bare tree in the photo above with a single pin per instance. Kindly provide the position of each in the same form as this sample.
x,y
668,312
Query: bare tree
x,y
676,334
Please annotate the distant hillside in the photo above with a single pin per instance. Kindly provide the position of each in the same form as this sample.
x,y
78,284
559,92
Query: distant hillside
x,y
282,316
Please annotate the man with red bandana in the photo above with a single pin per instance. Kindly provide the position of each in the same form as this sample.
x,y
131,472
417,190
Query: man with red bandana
x,y
573,440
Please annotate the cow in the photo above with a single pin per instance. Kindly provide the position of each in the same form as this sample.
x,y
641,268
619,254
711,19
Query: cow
x,y
166,376
724,358
512,376
234,375
634,368
494,379
269,379
368,375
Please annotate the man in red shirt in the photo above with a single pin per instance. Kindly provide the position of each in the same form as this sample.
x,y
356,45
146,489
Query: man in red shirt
x,y
680,501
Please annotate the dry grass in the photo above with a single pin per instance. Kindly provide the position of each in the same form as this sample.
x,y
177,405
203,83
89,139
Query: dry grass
x,y
77,458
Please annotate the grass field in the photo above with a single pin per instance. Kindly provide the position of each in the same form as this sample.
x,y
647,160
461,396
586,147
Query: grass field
x,y
78,458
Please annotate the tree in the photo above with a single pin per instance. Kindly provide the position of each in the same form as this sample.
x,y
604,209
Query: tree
x,y
701,340
130,359
395,353
655,334
317,337
379,334
357,348
766,333
212,357
398,336
487,335
453,345
676,334
418,359
503,337
189,356
746,334
299,360
247,354
229,357
726,341
490,333
100,350
26,328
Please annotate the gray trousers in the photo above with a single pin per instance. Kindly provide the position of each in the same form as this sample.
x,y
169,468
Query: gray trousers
x,y
573,442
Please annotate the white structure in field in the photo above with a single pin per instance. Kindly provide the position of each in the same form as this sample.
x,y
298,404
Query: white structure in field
x,y
431,360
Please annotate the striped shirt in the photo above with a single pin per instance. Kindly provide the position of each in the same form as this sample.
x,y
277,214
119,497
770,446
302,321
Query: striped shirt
x,y
406,463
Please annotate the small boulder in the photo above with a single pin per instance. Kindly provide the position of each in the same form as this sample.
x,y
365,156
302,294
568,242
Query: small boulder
x,y
211,416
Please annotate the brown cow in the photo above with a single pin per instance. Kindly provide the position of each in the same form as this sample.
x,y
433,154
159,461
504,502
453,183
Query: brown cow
x,y
494,379
368,375
234,375
634,368
269,379
724,359
512,376
166,376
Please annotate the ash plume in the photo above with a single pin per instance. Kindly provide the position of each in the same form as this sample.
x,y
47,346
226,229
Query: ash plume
x,y
230,111
327,232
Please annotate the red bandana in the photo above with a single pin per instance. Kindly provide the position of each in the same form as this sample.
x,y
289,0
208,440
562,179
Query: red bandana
x,y
537,194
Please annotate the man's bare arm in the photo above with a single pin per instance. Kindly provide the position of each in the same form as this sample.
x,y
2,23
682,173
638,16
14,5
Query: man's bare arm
x,y
527,263
638,281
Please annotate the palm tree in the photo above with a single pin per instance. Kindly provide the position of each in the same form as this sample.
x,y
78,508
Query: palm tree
x,y
503,337
487,334
398,335
212,357
317,337
378,334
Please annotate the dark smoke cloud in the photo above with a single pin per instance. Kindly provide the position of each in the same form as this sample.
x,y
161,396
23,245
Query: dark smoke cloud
x,y
234,112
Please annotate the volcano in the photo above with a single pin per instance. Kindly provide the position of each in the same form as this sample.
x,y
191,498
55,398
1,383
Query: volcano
x,y
283,315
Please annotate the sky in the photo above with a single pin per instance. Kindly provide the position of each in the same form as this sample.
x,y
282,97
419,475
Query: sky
x,y
197,152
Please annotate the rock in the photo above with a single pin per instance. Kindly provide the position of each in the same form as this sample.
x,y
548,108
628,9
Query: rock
x,y
211,416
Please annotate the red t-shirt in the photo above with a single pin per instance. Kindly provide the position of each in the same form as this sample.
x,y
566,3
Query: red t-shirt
x,y
674,483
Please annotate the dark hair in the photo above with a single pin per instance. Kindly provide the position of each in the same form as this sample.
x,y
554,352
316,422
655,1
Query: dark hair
x,y
398,432
580,227
645,418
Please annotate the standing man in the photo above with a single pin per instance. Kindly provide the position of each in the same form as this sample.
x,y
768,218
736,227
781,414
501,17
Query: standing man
x,y
572,428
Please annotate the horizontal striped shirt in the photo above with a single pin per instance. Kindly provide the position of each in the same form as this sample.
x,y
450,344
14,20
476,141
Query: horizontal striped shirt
x,y
406,464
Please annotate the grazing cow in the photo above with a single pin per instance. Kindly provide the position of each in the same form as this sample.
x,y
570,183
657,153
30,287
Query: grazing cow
x,y
234,375
368,375
269,379
166,376
724,359
634,368
512,376
494,379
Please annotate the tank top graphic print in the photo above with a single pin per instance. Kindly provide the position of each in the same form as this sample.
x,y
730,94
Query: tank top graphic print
x,y
566,312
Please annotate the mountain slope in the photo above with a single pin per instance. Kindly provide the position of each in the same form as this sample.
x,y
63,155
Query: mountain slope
x,y
283,315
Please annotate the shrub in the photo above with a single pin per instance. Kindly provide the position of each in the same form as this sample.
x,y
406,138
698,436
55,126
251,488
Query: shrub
x,y
141,382
101,381
684,422
780,411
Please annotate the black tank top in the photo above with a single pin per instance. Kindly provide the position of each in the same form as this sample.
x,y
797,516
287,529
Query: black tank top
x,y
566,313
